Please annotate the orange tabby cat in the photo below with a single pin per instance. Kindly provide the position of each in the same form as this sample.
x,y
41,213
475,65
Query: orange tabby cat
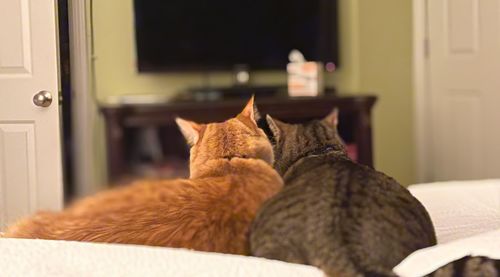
x,y
231,176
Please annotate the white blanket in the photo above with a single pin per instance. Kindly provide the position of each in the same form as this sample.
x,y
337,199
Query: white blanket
x,y
461,209
466,217
20,257
427,260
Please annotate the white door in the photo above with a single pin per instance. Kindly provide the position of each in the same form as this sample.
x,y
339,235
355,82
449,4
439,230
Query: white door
x,y
464,88
30,152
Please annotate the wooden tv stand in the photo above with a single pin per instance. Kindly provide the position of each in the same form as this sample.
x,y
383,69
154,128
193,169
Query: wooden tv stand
x,y
123,121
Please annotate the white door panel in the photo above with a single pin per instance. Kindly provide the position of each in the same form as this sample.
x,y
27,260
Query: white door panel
x,y
30,152
464,68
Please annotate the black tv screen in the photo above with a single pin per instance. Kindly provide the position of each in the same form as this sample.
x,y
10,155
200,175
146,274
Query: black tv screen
x,y
219,34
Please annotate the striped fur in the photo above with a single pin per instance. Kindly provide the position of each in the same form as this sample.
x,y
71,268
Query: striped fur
x,y
343,217
470,267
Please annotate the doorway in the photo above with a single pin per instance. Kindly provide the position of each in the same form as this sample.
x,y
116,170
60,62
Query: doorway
x,y
456,65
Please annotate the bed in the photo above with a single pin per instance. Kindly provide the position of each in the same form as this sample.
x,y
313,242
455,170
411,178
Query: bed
x,y
466,216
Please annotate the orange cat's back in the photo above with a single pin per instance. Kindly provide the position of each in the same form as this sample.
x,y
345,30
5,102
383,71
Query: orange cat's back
x,y
230,178
206,214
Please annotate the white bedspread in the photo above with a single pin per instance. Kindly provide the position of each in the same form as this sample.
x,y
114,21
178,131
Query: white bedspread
x,y
461,209
59,258
427,260
466,217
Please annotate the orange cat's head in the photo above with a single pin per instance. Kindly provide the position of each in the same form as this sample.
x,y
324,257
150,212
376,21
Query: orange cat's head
x,y
238,137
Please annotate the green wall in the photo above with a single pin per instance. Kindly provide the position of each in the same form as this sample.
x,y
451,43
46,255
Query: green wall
x,y
385,67
376,57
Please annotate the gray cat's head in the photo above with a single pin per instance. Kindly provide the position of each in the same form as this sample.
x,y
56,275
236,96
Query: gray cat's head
x,y
292,142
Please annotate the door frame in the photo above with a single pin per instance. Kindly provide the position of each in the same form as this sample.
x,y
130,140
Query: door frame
x,y
422,107
84,108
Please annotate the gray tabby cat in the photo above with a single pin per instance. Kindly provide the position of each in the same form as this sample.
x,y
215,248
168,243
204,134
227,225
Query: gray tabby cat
x,y
343,217
470,267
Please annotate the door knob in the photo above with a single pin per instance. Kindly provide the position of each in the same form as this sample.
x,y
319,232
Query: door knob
x,y
42,99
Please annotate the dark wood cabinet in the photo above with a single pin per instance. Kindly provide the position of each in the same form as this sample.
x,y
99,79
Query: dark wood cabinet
x,y
123,121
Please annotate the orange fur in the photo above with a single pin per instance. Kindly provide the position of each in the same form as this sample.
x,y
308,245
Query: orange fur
x,y
231,176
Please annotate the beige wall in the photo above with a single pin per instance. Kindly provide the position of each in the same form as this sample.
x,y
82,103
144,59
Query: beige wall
x,y
375,51
385,55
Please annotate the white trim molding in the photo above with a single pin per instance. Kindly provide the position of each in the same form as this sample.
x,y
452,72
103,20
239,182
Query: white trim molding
x,y
84,108
421,89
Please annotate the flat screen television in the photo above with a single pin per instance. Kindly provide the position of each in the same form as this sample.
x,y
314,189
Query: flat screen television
x,y
219,34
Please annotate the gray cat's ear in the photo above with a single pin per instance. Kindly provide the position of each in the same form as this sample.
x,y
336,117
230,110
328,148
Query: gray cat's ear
x,y
332,118
249,110
191,130
274,125
256,113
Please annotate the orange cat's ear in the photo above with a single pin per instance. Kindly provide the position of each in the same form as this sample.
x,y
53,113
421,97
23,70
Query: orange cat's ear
x,y
191,130
332,118
250,111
